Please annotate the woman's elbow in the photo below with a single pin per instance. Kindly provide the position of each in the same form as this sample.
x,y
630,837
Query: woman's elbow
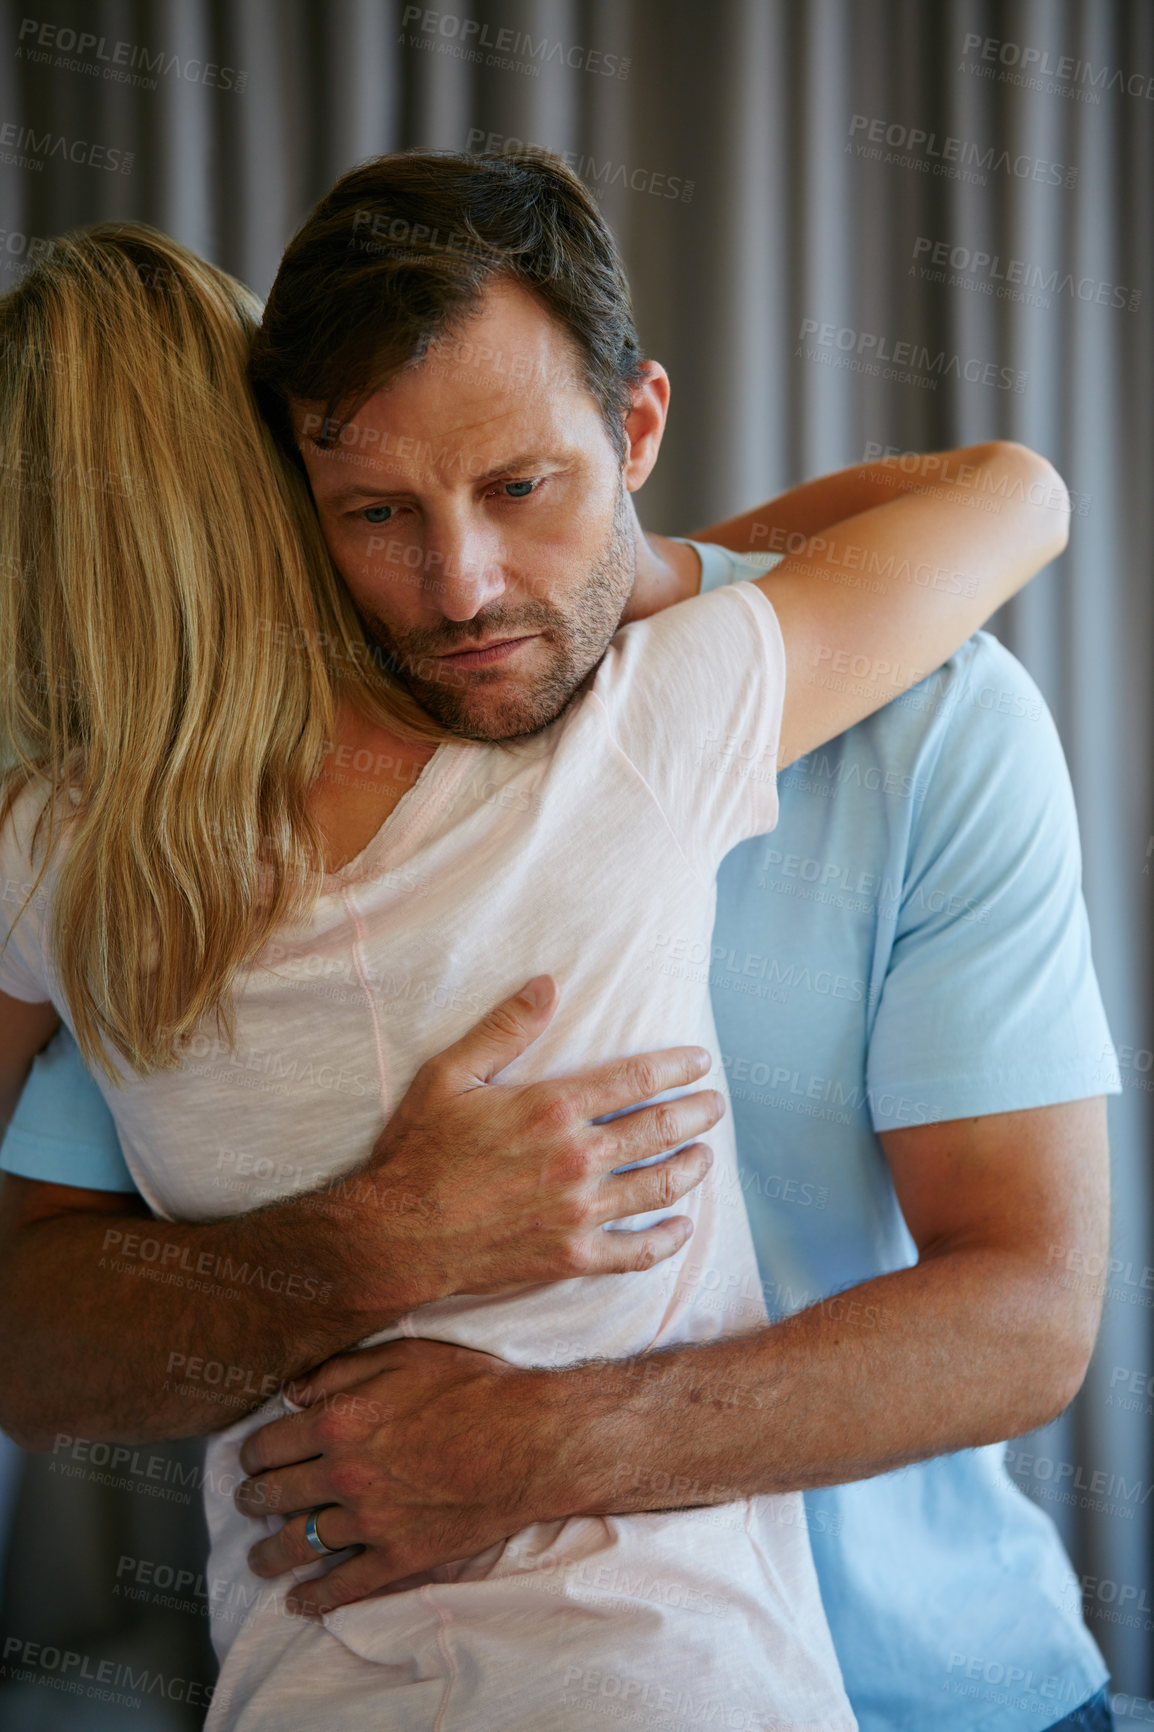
x,y
1034,485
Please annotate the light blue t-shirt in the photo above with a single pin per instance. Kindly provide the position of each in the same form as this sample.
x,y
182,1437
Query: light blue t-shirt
x,y
909,945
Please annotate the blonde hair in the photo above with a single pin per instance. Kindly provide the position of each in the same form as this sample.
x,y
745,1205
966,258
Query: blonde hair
x,y
174,637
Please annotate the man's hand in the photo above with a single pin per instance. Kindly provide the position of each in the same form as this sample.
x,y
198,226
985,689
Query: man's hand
x,y
481,1186
472,1186
418,1451
431,1453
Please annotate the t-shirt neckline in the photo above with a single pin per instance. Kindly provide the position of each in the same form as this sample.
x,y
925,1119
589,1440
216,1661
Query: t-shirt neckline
x,y
416,807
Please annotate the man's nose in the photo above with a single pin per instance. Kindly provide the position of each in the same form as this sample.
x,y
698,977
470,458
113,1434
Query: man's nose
x,y
463,572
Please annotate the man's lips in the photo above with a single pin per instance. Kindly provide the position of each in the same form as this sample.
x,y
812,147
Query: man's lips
x,y
484,655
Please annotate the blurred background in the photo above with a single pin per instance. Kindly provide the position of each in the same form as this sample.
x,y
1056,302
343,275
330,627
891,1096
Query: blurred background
x,y
850,226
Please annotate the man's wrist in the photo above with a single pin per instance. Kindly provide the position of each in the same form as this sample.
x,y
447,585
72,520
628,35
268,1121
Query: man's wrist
x,y
620,1437
588,1436
371,1247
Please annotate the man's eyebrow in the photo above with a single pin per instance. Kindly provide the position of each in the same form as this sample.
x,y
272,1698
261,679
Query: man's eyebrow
x,y
347,494
529,460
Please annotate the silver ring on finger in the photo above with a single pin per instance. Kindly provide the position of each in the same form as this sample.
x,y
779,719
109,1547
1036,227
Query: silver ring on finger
x,y
314,1539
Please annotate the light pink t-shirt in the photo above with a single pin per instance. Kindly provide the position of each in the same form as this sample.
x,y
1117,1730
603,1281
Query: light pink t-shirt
x,y
588,852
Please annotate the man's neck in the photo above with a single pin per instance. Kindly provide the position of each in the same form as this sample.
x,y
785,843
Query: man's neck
x,y
667,571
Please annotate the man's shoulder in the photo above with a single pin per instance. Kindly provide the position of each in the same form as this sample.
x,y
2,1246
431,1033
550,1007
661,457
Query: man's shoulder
x,y
972,744
969,706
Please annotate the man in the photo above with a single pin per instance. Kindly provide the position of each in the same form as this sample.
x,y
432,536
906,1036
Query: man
x,y
926,1359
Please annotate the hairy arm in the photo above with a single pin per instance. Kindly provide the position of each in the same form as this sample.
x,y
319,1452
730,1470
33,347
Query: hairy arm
x,y
472,1186
985,1337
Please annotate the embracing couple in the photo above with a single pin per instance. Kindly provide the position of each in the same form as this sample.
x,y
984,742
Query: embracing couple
x,y
391,884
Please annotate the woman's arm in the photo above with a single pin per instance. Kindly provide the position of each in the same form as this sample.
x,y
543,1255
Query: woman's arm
x,y
780,525
874,604
24,1029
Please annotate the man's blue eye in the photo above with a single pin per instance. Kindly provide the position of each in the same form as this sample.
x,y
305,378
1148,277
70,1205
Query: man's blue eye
x,y
378,513
525,486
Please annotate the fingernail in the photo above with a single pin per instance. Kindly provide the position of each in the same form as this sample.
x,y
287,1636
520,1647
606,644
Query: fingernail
x,y
537,991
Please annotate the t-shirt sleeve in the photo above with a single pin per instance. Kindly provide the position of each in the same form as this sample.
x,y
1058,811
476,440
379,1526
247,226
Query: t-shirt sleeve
x,y
693,698
23,973
719,565
62,1132
990,1002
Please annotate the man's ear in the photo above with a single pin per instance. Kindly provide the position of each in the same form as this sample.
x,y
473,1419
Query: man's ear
x,y
645,423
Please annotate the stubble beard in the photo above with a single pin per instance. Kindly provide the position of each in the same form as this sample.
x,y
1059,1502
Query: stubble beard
x,y
577,636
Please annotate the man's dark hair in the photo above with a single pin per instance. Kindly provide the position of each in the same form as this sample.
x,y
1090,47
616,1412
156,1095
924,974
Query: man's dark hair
x,y
402,250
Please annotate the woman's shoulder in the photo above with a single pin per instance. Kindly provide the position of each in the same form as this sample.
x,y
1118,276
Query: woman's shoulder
x,y
32,813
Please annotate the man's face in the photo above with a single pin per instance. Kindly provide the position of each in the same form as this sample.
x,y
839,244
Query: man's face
x,y
476,511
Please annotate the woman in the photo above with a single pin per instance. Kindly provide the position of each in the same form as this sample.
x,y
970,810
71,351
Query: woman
x,y
179,651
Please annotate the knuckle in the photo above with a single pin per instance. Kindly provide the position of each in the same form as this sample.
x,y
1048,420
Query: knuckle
x,y
646,1253
346,1479
330,1427
641,1074
553,1114
296,1548
579,1213
502,1021
667,1184
666,1124
574,1165
267,1495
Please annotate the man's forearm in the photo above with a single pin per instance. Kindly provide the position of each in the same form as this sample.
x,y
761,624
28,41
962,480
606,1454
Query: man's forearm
x,y
123,1328
958,1351
128,1329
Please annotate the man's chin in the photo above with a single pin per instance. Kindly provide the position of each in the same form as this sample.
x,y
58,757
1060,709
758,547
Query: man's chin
x,y
492,716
